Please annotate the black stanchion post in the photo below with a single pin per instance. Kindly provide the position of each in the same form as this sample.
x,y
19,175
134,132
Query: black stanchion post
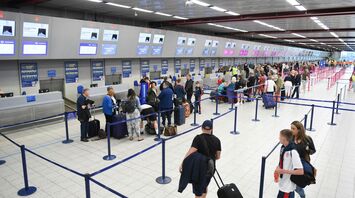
x,y
311,120
256,111
235,132
262,175
67,140
275,115
338,102
163,179
216,113
109,156
158,135
305,121
195,113
27,190
232,105
87,185
332,120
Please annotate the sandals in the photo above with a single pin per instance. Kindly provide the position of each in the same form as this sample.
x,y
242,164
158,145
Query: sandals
x,y
131,138
140,139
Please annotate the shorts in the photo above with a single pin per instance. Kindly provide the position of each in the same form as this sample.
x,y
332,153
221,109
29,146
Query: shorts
x,y
286,195
199,189
150,112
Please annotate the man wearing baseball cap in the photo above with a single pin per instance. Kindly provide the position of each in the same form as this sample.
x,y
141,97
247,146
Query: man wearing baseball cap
x,y
208,145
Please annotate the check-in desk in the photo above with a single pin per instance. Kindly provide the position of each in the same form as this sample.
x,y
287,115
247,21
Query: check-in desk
x,y
24,108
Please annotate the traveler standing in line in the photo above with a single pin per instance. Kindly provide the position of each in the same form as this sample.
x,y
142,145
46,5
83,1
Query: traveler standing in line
x,y
152,98
179,91
165,80
132,108
352,81
83,112
279,86
288,85
305,79
189,87
304,146
289,164
209,146
270,86
261,82
296,83
109,105
234,71
198,95
166,103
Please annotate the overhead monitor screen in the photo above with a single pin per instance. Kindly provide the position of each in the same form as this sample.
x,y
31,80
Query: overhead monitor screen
x,y
7,47
144,38
157,50
89,34
189,51
208,43
110,35
35,30
109,49
7,28
215,43
158,39
234,45
142,50
88,49
34,48
181,40
179,51
228,45
191,42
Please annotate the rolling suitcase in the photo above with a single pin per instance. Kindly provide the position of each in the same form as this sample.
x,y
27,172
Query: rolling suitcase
x,y
119,130
228,190
283,94
187,109
94,126
268,101
179,115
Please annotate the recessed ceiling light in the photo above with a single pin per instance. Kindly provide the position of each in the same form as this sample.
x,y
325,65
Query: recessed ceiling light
x,y
293,2
96,1
201,3
211,24
313,40
182,18
232,13
163,14
268,36
218,9
333,34
314,18
142,10
298,35
301,8
289,40
117,5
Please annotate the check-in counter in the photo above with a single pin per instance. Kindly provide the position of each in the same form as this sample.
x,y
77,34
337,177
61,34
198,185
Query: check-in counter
x,y
97,93
24,108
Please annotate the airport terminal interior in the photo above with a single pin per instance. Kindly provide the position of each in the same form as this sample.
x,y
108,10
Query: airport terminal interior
x,y
177,98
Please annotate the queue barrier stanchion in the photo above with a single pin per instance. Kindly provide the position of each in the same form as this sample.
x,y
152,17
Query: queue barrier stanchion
x,y
311,120
195,113
158,138
275,114
109,156
262,175
216,113
67,140
27,190
235,132
338,102
232,105
2,162
87,185
332,119
163,179
256,111
305,120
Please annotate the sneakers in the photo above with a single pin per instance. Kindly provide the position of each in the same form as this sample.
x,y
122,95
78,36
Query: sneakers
x,y
84,140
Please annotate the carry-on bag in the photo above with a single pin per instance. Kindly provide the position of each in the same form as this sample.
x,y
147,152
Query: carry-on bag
x,y
170,130
268,101
228,190
119,130
94,126
179,115
186,106
149,128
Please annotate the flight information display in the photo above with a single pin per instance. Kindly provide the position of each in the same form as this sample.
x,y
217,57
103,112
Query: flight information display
x,y
110,35
208,43
181,40
157,50
7,47
142,50
89,34
179,51
144,38
158,39
191,42
34,48
88,49
7,28
109,49
35,30
215,43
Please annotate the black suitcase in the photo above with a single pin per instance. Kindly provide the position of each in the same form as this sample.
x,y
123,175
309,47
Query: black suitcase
x,y
119,130
94,127
283,94
228,190
179,115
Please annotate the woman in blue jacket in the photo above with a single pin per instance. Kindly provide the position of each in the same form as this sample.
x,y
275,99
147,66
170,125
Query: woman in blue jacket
x,y
109,104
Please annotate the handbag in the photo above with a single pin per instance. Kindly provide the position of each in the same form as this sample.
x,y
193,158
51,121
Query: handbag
x,y
170,130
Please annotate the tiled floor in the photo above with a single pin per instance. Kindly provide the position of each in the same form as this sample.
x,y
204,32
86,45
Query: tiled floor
x,y
240,163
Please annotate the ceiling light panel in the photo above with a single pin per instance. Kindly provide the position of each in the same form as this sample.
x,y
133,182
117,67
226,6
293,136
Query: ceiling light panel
x,y
117,5
96,1
182,18
218,9
201,3
142,10
268,25
268,36
163,14
298,35
301,8
293,2
232,13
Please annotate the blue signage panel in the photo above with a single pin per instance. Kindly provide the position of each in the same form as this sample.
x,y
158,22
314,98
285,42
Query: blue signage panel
x,y
109,49
144,67
71,72
52,73
126,68
164,66
177,64
157,50
31,98
97,69
142,50
29,74
113,70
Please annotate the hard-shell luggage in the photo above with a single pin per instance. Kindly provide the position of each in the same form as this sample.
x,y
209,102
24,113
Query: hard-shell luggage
x,y
227,190
94,127
187,109
268,101
119,130
179,115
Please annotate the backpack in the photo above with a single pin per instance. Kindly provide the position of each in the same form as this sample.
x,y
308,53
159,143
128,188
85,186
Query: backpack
x,y
308,177
211,167
129,106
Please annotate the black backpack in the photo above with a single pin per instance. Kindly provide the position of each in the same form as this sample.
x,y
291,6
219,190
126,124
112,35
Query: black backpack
x,y
129,106
308,177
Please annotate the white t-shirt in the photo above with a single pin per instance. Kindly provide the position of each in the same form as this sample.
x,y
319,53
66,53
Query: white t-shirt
x,y
270,84
289,163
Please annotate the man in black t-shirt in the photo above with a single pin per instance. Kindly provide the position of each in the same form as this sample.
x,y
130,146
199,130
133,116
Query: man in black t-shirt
x,y
207,144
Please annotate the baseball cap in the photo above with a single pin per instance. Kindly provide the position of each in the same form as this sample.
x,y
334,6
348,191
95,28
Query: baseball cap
x,y
207,124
